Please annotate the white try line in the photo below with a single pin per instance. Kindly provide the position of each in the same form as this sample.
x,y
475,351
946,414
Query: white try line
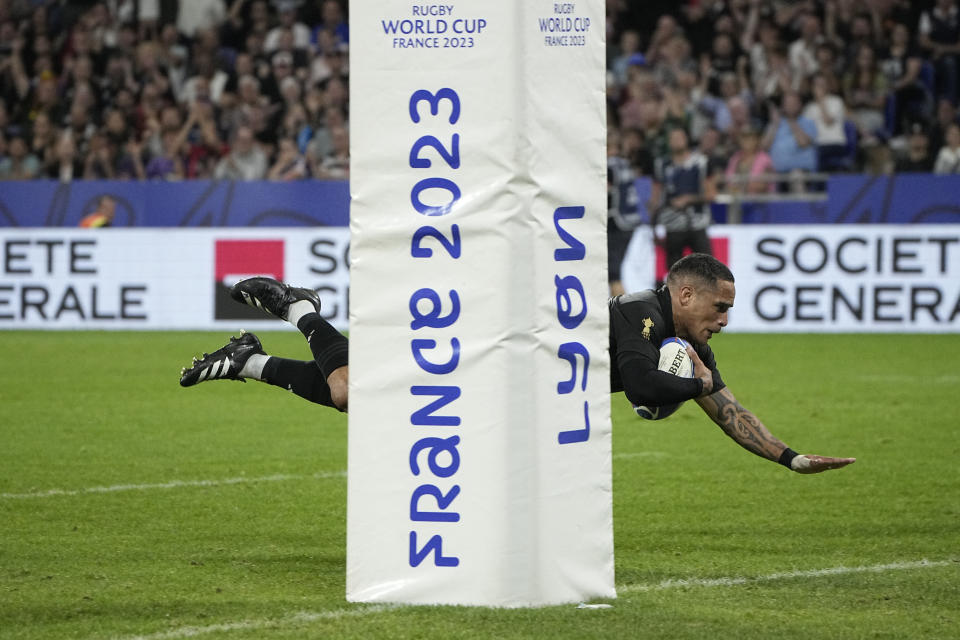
x,y
173,484
303,617
177,484
789,575
361,611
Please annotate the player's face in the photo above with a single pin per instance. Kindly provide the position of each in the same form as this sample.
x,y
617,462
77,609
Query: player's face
x,y
703,310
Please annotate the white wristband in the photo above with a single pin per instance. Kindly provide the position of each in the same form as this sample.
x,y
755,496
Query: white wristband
x,y
800,463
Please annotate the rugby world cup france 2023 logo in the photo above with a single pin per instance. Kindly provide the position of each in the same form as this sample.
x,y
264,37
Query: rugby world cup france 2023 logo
x,y
235,260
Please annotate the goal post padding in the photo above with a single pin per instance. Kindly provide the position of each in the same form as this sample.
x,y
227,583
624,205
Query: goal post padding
x,y
479,427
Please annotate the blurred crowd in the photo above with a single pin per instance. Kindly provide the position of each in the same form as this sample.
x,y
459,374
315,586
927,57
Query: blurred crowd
x,y
168,90
258,89
783,87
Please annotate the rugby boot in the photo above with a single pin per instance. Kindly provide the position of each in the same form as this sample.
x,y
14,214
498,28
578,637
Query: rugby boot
x,y
223,364
272,296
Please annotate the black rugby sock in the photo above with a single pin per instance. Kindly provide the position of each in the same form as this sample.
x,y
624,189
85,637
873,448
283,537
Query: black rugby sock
x,y
329,346
301,377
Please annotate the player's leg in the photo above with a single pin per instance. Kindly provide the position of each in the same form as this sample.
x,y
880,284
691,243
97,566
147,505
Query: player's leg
x,y
303,378
243,358
301,308
674,244
700,242
617,241
330,349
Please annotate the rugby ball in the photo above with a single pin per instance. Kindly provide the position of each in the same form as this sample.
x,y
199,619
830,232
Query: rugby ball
x,y
674,360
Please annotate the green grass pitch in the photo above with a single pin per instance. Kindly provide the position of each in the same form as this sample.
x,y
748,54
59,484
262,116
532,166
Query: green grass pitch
x,y
130,507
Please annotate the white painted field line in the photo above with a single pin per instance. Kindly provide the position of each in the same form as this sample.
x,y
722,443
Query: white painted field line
x,y
263,623
789,575
336,614
641,454
172,484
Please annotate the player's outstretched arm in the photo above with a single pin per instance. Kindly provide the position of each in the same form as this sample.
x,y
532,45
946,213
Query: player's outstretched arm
x,y
746,430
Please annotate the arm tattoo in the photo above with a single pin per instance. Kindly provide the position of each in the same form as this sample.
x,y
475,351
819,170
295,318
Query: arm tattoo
x,y
740,424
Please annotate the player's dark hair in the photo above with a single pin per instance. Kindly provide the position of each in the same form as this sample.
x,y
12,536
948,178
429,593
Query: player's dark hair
x,y
700,266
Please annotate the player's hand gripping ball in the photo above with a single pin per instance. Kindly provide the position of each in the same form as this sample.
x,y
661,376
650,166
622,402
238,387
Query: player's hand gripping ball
x,y
673,360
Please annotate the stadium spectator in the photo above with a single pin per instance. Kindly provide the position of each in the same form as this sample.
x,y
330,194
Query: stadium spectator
x,y
243,18
333,25
335,165
204,145
939,36
734,92
828,113
195,15
243,65
699,21
172,53
130,161
945,116
715,147
830,66
803,50
294,125
117,77
693,304
78,76
66,165
749,161
168,163
335,94
917,158
115,127
99,163
20,163
321,144
249,102
41,95
948,158
865,93
629,46
290,163
207,81
675,59
682,190
685,98
666,28
43,137
300,55
741,118
852,31
245,161
761,41
790,139
80,122
723,63
878,159
288,23
281,67
330,63
901,64
169,119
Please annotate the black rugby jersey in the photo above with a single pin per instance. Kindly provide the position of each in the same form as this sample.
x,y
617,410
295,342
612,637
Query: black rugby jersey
x,y
639,323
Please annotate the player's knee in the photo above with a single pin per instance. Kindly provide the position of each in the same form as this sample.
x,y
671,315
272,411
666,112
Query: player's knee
x,y
338,381
340,400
